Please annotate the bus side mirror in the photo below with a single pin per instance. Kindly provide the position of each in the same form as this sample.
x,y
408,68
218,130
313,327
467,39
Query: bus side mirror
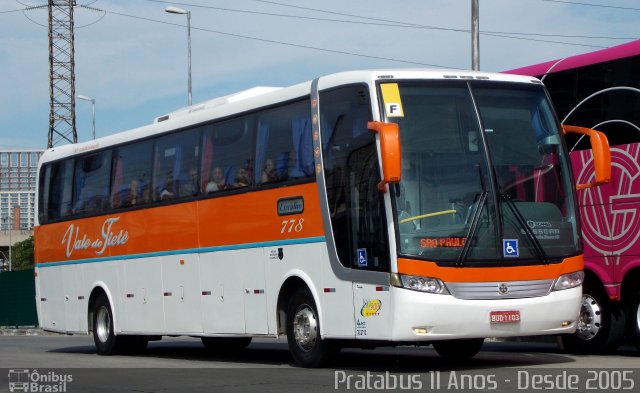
x,y
601,154
390,152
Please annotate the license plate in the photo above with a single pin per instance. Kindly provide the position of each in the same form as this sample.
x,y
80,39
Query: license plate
x,y
504,316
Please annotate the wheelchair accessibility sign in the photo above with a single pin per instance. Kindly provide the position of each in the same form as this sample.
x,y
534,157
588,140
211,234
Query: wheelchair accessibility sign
x,y
510,248
362,257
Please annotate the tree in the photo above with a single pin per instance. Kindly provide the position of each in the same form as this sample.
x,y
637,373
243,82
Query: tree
x,y
22,255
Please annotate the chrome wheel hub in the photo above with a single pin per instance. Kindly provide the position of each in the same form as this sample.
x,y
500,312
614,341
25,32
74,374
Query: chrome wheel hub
x,y
590,319
103,324
305,328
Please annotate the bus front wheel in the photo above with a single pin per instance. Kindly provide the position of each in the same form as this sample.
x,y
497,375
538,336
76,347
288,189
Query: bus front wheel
x,y
600,327
458,350
303,332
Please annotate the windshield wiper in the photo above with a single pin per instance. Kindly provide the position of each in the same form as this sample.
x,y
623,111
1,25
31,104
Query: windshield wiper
x,y
473,228
523,224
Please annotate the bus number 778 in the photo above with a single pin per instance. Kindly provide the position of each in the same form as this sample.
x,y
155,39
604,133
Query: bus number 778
x,y
293,225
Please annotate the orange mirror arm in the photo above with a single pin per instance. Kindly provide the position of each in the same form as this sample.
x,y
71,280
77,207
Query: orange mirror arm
x,y
601,154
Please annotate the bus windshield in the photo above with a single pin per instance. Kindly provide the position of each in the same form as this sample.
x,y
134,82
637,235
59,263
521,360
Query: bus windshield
x,y
485,177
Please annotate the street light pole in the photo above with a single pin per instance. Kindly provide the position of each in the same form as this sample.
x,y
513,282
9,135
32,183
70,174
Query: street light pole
x,y
475,36
10,242
93,110
176,10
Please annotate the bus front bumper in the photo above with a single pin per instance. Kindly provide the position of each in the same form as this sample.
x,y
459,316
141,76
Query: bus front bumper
x,y
426,317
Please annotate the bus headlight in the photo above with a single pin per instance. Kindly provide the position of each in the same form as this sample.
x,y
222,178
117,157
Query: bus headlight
x,y
569,280
419,283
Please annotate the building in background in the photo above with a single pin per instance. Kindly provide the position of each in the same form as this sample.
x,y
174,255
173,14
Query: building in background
x,y
18,172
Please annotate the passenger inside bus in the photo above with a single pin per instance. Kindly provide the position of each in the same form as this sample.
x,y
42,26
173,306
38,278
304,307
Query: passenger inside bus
x,y
189,187
133,198
217,181
166,192
269,174
243,178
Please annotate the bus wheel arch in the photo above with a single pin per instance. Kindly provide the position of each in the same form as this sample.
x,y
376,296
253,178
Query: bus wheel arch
x,y
289,287
96,292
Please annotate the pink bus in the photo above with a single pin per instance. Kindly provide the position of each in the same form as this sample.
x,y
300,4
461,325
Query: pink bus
x,y
601,90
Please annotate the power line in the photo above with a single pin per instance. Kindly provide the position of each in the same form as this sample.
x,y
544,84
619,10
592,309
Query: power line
x,y
393,23
589,5
269,41
501,34
417,25
546,41
24,9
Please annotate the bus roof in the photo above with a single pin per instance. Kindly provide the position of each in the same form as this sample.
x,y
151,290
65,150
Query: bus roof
x,y
258,97
617,52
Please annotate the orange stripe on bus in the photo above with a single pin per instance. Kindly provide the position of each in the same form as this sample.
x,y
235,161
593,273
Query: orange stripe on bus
x,y
235,219
484,274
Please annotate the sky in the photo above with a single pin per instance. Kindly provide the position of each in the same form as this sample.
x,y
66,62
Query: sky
x,y
131,56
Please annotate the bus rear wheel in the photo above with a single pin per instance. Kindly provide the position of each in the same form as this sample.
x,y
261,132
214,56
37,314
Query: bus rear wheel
x,y
303,332
600,326
458,350
107,343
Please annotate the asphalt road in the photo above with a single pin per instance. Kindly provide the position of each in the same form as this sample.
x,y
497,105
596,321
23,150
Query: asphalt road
x,y
70,364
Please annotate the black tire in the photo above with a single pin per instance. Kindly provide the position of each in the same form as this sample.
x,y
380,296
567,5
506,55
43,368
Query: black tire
x,y
601,323
225,345
458,350
633,315
303,332
107,343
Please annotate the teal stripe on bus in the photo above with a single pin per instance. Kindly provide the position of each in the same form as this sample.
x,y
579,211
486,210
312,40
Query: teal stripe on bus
x,y
319,239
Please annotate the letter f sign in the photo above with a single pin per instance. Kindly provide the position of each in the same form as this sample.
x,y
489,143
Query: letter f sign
x,y
394,109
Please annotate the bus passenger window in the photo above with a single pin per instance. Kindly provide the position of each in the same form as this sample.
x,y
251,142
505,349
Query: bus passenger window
x,y
91,183
226,162
131,175
176,163
284,147
58,200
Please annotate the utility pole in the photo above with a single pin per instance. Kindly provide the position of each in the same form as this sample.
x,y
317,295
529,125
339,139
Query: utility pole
x,y
62,113
475,36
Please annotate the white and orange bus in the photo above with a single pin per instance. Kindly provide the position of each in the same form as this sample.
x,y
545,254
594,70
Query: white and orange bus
x,y
360,209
